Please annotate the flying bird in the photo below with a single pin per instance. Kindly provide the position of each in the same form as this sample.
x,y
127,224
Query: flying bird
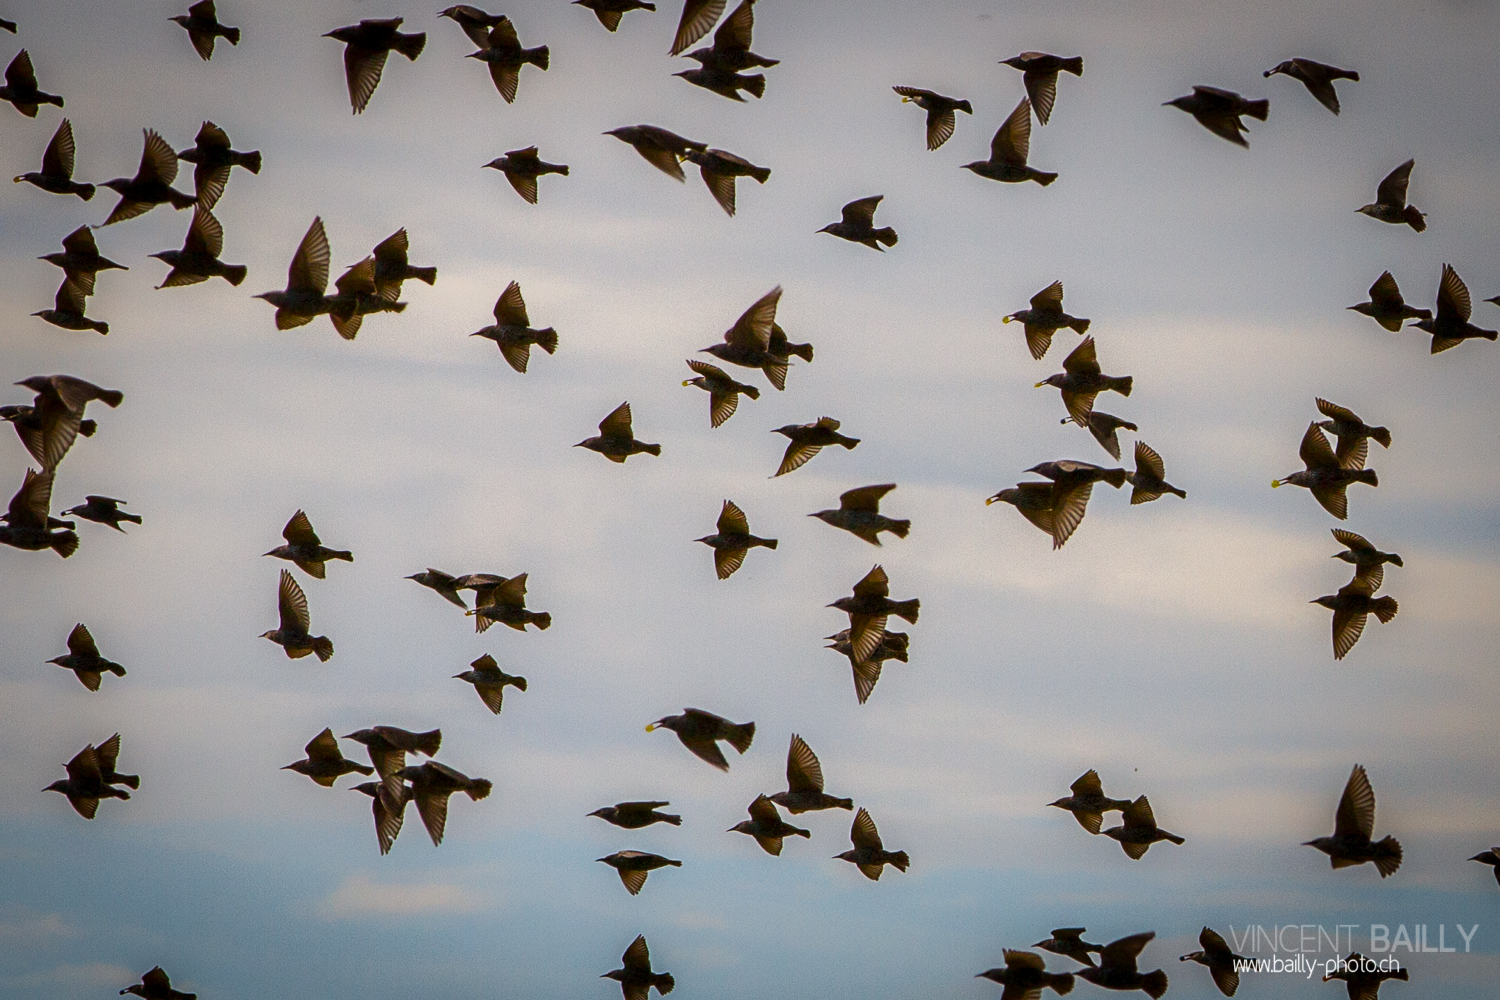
x,y
1220,111
809,439
325,762
1366,559
1353,435
1316,77
730,52
56,416
502,51
202,24
1386,306
940,112
635,976
293,635
748,342
152,183
723,391
388,747
804,782
1088,804
1490,857
28,524
609,13
635,815
1451,326
698,16
366,47
616,439
431,785
1138,830
104,510
1362,976
1117,968
858,225
20,87
1149,480
393,266
356,298
634,866
893,646
1081,380
1009,151
522,167
80,259
442,583
1216,955
388,817
719,168
1390,200
68,310
662,149
859,514
1353,827
506,603
490,681
1069,942
474,22
868,609
85,660
305,548
700,732
869,854
56,175
1105,427
306,282
155,985
198,260
85,785
732,539
1040,78
1325,476
767,827
512,331
1352,607
1044,318
1025,975
213,159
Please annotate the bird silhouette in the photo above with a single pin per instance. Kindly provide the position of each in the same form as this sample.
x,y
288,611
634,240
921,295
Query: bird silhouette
x,y
1044,318
56,175
609,12
869,854
506,603
213,159
1149,480
1081,380
28,524
1325,476
1451,326
1025,975
1352,607
700,732
1117,968
635,815
869,608
84,660
431,785
804,782
1362,976
1139,831
719,168
202,24
151,185
104,510
858,225
490,681
1010,149
1216,955
616,439
198,260
304,298
294,634
635,976
1040,71
634,866
732,539
501,50
662,149
1386,306
859,514
522,167
325,762
1316,77
305,548
85,786
155,985
20,87
1390,200
512,331
1088,804
767,827
366,47
1220,111
940,112
809,439
1353,828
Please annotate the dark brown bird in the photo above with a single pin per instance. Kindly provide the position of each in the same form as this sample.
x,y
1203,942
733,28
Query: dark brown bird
x,y
1138,830
1491,858
779,347
1088,804
1040,78
1317,78
68,310
151,185
662,149
293,635
512,331
490,681
356,298
212,160
634,866
474,22
1451,326
1366,559
1362,976
325,762
732,539
1081,380
56,175
393,268
506,603
1069,942
1149,480
725,83
940,112
1025,976
84,659
1117,968
29,426
1010,148
522,167
700,732
859,514
155,985
1353,826
431,784
198,260
388,819
893,646
767,827
804,782
306,282
108,753
1044,318
1105,427
698,16
305,548
1390,200
366,47
1353,434
56,416
609,13
1062,508
616,439
28,524
202,24
1352,607
1219,111
442,583
724,392
104,510
1216,956
858,225
502,51
869,608
635,976
388,747
869,854
720,167
748,342
21,88
1325,476
80,259
730,52
85,784
809,439
1386,306
635,815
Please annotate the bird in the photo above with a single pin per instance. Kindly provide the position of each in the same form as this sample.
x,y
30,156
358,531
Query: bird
x,y
1216,955
442,583
56,417
1105,427
1364,557
809,439
724,392
779,347
108,754
1451,326
1490,857
431,785
1064,506
212,160
80,259
1386,306
1220,111
56,175
388,747
198,260
616,440
748,342
893,646
1040,78
388,818
1362,976
700,732
1117,967
1390,200
869,854
28,524
1044,318
68,310
1316,77
1010,148
858,225
21,87
1148,482
490,681
106,510
1138,830
155,985
522,167
502,51
1081,380
732,539
859,514
366,47
393,268
767,827
1025,975
1352,434
506,603
306,281
1353,826
152,183
1324,475
325,762
1069,942
29,426
635,815
804,782
1088,804
634,866
1352,607
635,976
305,548
662,149
869,608
730,52
357,297
293,635
84,659
512,331
720,167
609,12
85,785
940,112
202,24
474,22
698,16
724,82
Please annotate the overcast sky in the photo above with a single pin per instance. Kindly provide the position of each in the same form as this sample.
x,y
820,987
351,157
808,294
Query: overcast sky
x,y
1170,645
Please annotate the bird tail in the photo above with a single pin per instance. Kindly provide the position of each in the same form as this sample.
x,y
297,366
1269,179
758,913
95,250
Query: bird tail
x,y
519,683
1414,218
1388,853
346,556
111,398
1061,983
900,528
844,804
1395,560
427,274
665,983
1121,385
180,200
547,340
541,619
1114,477
1173,838
1042,177
411,45
65,543
51,99
886,236
965,107
1344,74
1381,435
250,161
754,84
479,788
1258,110
561,168
900,860
761,175
1154,984
1074,65
429,742
907,609
1384,608
739,737
132,518
116,669
651,449
1079,326
231,35
538,57
803,351
1367,476
674,820
364,769
751,391
769,543
86,191
1400,974
128,780
99,325
235,273
323,646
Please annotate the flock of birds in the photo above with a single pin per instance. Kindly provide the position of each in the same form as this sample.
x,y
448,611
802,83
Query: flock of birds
x,y
1055,503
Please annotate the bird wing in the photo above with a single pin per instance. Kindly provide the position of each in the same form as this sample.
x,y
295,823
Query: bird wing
x,y
1090,821
1012,143
617,424
865,498
1079,405
863,832
861,212
1385,294
763,811
1352,452
57,160
1333,499
507,78
721,406
108,753
205,235
156,982
1147,458
1083,360
803,772
1087,784
866,634
432,806
798,454
707,370
81,241
1321,88
721,186
697,17
1024,960
524,184
732,520
1224,976
1355,543
662,159
1315,451
84,767
1121,954
33,501
323,747
866,675
210,134
309,270
1336,411
158,160
70,298
1139,813
637,957
393,248
493,695
734,34
299,531
518,356
708,750
388,821
81,643
1356,812
510,308
209,183
1453,297
634,881
1049,299
1392,190
511,593
362,69
753,328
940,125
503,35
1042,89
872,872
874,584
20,74
1213,942
292,604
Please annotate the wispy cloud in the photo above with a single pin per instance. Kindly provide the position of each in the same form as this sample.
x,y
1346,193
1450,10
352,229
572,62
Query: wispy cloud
x,y
359,897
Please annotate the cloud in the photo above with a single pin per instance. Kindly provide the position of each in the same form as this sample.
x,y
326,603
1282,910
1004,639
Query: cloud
x,y
359,897
95,974
28,927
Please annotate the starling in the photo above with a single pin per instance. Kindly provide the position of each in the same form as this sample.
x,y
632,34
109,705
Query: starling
x,y
489,681
767,827
724,392
20,87
106,510
725,83
80,259
635,815
616,440
1025,975
1386,306
748,342
431,784
732,539
1069,942
1035,501
293,635
366,46
85,784
304,547
634,866
56,417
392,267
1491,858
84,660
809,439
609,13
635,976
388,747
306,282
730,51
442,583
1353,825
325,762
155,985
1105,428
1148,482
479,582
1057,508
1318,79
68,310
522,167
1351,608
29,427
1088,804
1359,553
1081,380
198,260
474,22
388,819
858,225
56,174
151,185
1352,434
502,50
357,297
1451,326
893,646
1324,475
108,754
859,514
506,603
28,523
1363,976
1067,472
1009,150
1117,969
1390,200
804,782
1216,956
662,149
213,159
700,732
868,610
1219,111
512,331
779,347
940,109
869,854
202,24
1138,830
1044,318
719,169
1040,78
697,17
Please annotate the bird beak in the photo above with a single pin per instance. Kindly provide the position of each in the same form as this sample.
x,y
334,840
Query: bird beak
x,y
579,444
287,768
1275,483
1307,843
264,554
19,179
458,676
991,500
685,381
1327,978
328,34
1006,319
651,728
1039,385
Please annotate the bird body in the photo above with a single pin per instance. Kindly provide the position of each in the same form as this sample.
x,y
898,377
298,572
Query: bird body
x,y
431,785
859,514
662,149
522,167
28,524
20,87
1105,427
474,22
389,810
635,815
804,782
1353,829
1040,71
1081,380
616,439
869,854
609,12
80,259
198,260
1352,607
731,540
1117,968
892,646
442,583
104,510
1069,942
502,52
1088,804
720,167
1220,111
357,297
306,282
305,548
1026,975
767,827
1139,831
748,342
85,784
1325,476
724,82
213,159
325,762
1010,149
940,112
84,659
634,866
56,175
858,225
506,603
151,185
1366,559
366,47
1351,433
1451,326
700,732
68,310
1218,959
56,416
388,747
635,976
869,608
1148,481
809,439
1044,318
293,636
1390,200
724,392
1316,77
155,985
202,24
490,681
1386,306
730,52
512,331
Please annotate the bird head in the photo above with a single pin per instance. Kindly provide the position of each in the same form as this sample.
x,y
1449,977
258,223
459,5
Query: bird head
x,y
58,660
361,736
976,166
1014,62
118,184
1066,803
690,75
692,381
744,826
346,34
828,228
498,163
1329,601
788,430
1050,380
846,856
137,989
700,55
299,766
617,974
842,603
1004,496
58,786
1371,209
604,813
42,313
274,635
36,383
1184,103
181,19
1283,67
824,516
1347,555
1321,843
666,722
1488,857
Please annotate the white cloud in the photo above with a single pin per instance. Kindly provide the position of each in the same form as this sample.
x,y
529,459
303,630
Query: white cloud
x,y
359,897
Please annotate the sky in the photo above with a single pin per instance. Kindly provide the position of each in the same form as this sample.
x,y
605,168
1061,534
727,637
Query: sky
x,y
1169,645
